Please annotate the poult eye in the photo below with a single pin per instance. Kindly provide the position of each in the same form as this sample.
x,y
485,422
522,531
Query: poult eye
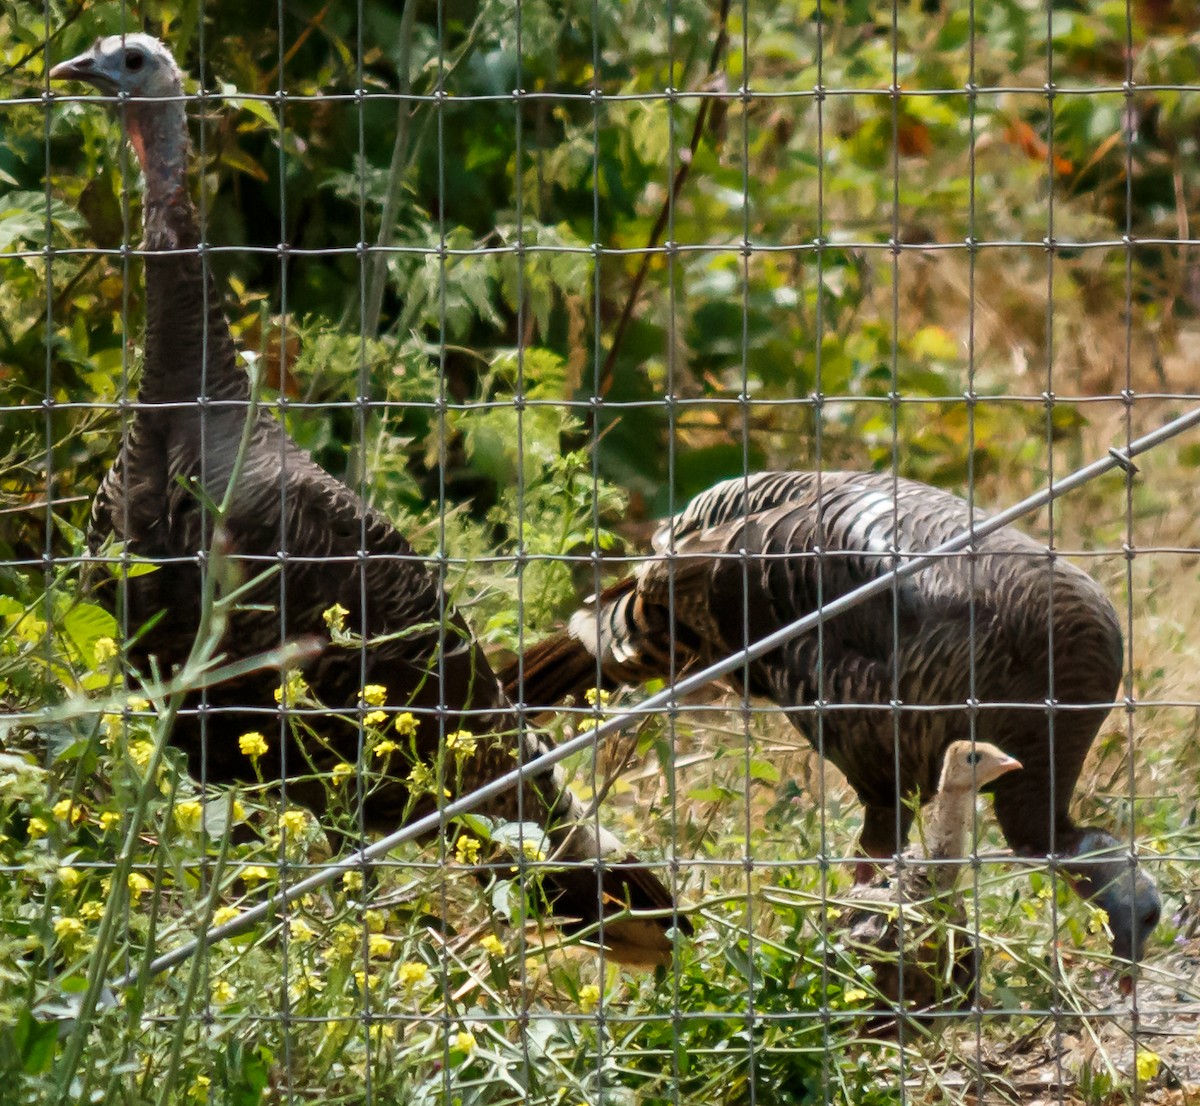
x,y
973,757
134,60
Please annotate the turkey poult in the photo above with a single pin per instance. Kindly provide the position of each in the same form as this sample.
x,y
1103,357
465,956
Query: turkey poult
x,y
331,549
1005,628
912,925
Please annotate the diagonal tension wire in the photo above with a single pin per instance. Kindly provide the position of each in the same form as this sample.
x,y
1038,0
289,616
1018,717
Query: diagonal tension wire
x,y
668,698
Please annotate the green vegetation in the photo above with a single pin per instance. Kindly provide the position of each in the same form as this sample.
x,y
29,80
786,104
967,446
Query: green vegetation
x,y
409,986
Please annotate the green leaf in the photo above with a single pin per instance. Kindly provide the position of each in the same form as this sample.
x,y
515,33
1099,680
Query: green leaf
x,y
123,565
35,1042
765,771
85,624
23,218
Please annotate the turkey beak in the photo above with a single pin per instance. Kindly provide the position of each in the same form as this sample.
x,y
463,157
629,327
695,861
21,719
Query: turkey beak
x,y
81,68
1008,764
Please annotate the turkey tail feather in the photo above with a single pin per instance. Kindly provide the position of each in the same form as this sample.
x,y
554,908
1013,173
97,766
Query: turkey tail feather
x,y
552,670
578,901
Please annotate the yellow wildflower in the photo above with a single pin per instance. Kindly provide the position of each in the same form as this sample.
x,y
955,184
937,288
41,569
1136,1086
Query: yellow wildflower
x,y
253,745
138,884
238,812
596,696
255,873
335,618
352,881
1147,1065
1097,919
463,1042
405,724
69,877
189,815
412,972
113,725
376,718
104,649
420,779
109,819
345,938
66,811
38,827
462,743
492,945
305,985
589,997
342,772
137,703
68,929
532,850
376,921
198,1091
300,931
852,995
224,914
223,992
365,979
293,688
294,822
466,849
140,752
379,947
385,748
92,910
374,695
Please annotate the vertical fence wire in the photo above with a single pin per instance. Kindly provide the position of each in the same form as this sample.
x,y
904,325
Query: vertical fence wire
x,y
1131,644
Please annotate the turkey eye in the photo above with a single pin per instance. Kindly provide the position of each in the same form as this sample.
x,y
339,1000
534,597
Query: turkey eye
x,y
973,758
134,60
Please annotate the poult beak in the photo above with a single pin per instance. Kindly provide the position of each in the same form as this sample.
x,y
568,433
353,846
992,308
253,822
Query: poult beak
x,y
1008,764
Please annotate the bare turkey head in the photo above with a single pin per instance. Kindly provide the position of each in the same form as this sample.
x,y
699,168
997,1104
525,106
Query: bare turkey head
x,y
969,765
137,64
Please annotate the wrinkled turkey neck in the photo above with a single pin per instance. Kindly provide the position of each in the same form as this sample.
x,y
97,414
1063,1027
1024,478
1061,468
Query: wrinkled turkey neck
x,y
189,350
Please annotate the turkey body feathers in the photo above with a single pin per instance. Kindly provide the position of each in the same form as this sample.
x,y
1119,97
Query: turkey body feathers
x,y
306,543
1007,644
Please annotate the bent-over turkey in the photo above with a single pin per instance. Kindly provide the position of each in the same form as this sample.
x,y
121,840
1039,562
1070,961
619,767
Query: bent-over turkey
x,y
331,550
993,636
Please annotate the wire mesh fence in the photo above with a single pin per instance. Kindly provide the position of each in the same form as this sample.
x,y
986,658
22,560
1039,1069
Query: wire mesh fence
x,y
526,529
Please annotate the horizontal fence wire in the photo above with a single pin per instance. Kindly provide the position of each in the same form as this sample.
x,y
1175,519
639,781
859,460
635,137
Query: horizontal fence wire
x,y
669,698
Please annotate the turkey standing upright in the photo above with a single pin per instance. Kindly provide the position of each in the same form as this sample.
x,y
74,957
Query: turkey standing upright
x,y
329,547
989,636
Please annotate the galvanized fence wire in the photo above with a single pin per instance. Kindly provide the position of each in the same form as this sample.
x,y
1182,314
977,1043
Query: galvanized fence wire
x,y
598,724
669,700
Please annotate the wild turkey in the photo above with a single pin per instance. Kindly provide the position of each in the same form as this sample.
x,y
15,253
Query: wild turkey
x,y
751,555
911,925
330,548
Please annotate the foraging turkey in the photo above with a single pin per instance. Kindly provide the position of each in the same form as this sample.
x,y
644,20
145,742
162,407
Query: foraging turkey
x,y
330,549
911,925
749,556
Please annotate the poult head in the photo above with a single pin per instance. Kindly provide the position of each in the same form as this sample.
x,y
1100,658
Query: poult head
x,y
969,765
136,64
